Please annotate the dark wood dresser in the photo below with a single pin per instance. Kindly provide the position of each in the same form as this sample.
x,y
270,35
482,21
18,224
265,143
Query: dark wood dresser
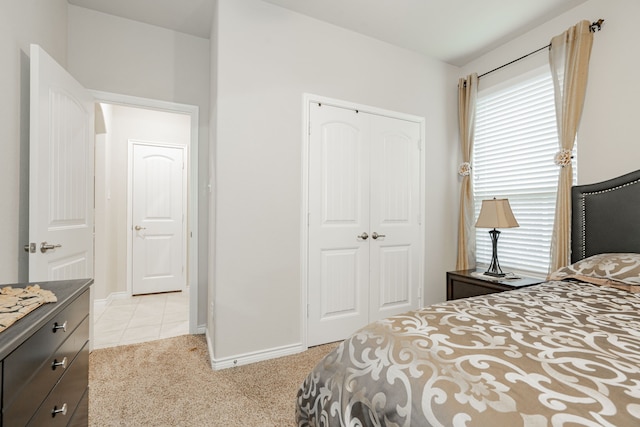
x,y
45,360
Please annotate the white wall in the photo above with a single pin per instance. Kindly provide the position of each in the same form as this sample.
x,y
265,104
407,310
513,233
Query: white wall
x,y
124,124
112,54
22,22
267,57
608,142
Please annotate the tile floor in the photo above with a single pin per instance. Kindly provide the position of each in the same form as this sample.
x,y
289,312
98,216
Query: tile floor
x,y
141,318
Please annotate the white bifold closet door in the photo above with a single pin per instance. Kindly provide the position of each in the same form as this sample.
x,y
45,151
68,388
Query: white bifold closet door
x,y
364,220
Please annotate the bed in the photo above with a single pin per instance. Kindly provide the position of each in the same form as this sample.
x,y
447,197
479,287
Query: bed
x,y
562,353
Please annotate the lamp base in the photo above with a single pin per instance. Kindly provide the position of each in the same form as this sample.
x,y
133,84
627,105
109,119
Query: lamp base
x,y
491,273
494,268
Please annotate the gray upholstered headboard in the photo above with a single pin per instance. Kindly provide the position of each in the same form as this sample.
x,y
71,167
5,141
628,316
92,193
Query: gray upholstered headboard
x,y
606,217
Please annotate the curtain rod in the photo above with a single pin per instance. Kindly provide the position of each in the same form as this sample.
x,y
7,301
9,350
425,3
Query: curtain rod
x,y
595,26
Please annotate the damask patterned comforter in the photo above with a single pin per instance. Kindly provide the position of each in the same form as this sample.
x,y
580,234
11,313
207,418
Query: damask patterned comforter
x,y
555,354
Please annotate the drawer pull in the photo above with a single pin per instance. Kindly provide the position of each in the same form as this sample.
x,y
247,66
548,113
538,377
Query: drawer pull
x,y
62,363
56,326
62,410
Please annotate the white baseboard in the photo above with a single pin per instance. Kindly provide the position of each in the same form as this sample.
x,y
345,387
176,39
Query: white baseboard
x,y
101,303
253,357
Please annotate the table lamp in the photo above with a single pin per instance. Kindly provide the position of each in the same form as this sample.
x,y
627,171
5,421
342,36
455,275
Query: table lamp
x,y
495,213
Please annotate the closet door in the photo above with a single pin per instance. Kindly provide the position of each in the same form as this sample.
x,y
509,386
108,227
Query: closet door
x,y
396,241
338,294
364,220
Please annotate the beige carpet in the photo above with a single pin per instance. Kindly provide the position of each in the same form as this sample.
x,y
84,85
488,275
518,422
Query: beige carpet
x,y
170,383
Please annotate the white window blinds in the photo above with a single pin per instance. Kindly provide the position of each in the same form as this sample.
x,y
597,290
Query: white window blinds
x,y
513,157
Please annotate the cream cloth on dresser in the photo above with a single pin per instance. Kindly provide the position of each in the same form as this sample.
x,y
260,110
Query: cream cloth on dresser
x,y
17,303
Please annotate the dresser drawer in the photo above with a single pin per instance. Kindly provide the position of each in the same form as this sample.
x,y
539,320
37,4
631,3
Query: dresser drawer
x,y
23,402
66,395
80,417
21,365
31,387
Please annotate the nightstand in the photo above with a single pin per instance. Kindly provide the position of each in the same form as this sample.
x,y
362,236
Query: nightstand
x,y
468,283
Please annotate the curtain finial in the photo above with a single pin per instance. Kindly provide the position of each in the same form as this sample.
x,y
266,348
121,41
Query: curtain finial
x,y
596,26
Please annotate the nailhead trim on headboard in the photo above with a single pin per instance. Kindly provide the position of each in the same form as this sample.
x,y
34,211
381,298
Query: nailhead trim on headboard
x,y
583,243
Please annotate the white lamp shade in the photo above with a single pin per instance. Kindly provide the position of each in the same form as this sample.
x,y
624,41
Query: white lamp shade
x,y
496,213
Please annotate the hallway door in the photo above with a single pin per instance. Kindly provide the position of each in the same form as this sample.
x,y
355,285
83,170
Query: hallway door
x,y
158,219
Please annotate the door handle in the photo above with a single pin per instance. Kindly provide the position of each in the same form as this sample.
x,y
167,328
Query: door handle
x,y
44,246
376,235
363,236
138,228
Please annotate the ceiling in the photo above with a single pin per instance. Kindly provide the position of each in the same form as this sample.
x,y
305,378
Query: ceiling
x,y
453,31
186,16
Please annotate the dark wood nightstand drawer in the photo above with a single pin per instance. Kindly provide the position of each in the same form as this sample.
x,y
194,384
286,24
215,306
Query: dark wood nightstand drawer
x,y
469,283
465,290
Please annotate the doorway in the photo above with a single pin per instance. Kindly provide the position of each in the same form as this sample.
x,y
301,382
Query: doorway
x,y
143,122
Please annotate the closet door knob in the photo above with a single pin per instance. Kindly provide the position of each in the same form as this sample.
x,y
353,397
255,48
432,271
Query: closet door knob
x,y
363,236
376,235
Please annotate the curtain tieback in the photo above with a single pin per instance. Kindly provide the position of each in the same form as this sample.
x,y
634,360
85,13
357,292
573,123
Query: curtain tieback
x,y
563,157
464,169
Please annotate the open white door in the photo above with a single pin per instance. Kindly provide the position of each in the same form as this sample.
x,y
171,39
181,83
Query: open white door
x,y
158,217
60,173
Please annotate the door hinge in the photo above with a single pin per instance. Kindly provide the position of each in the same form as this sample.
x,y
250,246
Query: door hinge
x,y
307,311
309,128
419,145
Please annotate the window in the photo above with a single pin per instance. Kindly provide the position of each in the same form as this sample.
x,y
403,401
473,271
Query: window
x,y
513,157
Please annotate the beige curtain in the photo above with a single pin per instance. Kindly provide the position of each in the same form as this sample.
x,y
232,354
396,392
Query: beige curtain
x,y
569,60
467,95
